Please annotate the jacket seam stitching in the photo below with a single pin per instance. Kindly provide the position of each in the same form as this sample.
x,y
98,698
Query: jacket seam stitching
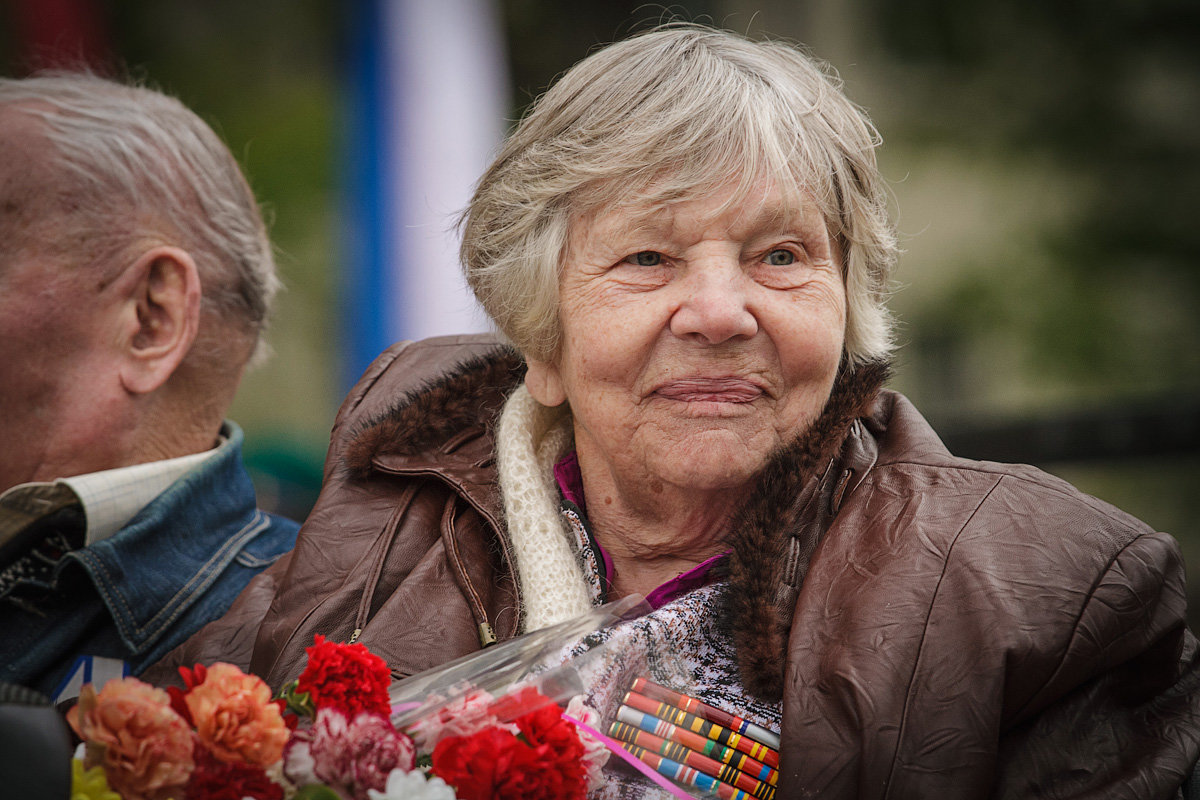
x,y
908,692
196,585
196,588
391,532
1001,475
451,544
255,562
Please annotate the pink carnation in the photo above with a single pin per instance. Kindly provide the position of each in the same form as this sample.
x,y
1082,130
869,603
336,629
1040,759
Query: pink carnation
x,y
595,752
351,757
131,730
463,716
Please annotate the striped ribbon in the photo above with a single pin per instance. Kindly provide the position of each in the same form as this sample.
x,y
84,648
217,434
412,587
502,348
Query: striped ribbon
x,y
681,773
694,741
710,713
711,730
618,749
763,789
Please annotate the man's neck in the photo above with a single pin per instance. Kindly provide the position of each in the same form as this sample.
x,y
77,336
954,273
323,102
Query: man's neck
x,y
66,459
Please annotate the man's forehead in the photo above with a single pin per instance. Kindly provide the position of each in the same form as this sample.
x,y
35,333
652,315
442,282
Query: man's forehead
x,y
26,166
19,178
23,123
30,182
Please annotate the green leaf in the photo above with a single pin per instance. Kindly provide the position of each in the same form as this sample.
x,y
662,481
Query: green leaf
x,y
317,791
299,703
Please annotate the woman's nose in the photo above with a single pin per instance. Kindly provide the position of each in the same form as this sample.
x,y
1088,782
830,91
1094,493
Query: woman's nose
x,y
714,306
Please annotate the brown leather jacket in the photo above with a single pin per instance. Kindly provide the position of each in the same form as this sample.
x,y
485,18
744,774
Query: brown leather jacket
x,y
954,629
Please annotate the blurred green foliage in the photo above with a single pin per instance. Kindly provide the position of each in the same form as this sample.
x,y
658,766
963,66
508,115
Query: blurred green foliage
x,y
1109,97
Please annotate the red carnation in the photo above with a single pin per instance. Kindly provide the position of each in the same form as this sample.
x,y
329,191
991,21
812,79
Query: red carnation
x,y
213,779
478,766
192,677
541,722
347,677
559,750
495,763
556,741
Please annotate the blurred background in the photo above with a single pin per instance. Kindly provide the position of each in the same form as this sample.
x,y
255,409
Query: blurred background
x,y
1044,156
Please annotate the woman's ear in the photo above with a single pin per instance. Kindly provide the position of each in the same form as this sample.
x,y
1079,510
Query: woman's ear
x,y
544,383
160,317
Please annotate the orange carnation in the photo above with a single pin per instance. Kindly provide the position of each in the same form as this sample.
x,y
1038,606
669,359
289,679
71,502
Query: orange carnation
x,y
132,731
236,718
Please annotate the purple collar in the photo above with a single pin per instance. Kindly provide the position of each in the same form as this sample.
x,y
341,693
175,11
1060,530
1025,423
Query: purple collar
x,y
570,483
570,480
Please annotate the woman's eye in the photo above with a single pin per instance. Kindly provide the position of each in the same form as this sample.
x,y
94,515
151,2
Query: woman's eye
x,y
645,258
780,258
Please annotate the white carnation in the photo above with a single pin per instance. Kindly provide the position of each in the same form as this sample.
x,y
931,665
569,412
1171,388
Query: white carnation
x,y
413,785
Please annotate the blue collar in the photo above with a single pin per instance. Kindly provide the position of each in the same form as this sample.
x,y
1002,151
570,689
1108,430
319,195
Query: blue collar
x,y
156,567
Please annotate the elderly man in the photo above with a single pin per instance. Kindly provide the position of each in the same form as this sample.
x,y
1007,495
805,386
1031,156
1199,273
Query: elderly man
x,y
135,283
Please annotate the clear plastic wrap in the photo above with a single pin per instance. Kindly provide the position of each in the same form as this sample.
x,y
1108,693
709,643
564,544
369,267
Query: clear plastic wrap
x,y
627,691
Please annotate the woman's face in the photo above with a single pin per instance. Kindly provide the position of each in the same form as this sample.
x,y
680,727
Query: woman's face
x,y
695,341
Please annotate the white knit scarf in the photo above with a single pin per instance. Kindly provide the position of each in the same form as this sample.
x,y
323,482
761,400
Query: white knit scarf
x,y
530,439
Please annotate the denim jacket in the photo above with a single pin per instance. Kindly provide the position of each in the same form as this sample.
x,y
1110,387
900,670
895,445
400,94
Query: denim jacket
x,y
177,565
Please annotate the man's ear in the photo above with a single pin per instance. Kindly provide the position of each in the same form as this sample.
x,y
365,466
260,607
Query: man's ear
x,y
160,317
544,383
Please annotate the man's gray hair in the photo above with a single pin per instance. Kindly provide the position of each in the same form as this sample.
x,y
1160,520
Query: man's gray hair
x,y
668,115
140,167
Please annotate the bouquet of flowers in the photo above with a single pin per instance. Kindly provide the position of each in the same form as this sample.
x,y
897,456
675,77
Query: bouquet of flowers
x,y
222,738
329,736
537,717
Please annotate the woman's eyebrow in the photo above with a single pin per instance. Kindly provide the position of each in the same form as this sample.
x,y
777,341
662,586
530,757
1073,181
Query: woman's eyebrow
x,y
784,216
769,219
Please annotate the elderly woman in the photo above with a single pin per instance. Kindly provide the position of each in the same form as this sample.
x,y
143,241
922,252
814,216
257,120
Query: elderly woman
x,y
686,242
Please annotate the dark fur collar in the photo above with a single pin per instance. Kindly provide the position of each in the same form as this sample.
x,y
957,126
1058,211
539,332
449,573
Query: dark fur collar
x,y
468,396
758,601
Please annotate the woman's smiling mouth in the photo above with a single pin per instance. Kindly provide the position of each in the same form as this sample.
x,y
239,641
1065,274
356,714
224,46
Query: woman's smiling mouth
x,y
710,390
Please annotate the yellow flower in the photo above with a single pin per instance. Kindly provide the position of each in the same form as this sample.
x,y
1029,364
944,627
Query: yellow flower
x,y
90,784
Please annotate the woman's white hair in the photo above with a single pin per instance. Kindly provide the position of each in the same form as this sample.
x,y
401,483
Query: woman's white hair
x,y
137,165
667,115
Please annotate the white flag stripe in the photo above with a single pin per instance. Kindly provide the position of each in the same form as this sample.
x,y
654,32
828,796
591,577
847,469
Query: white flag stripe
x,y
449,81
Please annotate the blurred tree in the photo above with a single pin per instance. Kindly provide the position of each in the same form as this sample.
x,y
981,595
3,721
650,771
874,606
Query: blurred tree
x,y
1108,95
545,37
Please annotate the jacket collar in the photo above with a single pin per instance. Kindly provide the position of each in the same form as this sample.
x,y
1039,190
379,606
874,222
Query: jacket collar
x,y
444,429
775,534
434,419
161,563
